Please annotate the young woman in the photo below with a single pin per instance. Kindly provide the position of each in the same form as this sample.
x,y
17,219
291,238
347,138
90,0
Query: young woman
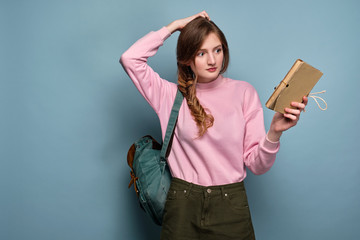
x,y
220,131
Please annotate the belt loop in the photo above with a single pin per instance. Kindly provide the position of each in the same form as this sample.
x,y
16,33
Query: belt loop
x,y
222,193
188,190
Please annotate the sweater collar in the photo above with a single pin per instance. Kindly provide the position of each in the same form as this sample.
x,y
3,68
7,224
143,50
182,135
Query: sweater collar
x,y
210,85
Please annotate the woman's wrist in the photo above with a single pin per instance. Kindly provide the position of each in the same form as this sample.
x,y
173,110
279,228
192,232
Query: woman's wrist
x,y
172,27
274,136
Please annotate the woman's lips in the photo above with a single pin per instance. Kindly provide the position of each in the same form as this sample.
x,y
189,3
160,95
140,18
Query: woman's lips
x,y
212,69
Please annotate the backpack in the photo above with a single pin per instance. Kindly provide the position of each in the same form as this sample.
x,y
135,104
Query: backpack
x,y
150,173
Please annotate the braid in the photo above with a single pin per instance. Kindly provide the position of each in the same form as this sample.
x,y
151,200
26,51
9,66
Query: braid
x,y
187,86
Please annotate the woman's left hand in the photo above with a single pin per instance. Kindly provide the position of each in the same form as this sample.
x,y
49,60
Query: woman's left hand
x,y
282,122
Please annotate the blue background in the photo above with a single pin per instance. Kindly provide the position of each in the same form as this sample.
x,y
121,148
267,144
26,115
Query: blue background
x,y
69,113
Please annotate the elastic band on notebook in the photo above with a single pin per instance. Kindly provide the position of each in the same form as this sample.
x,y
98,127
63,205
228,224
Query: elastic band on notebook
x,y
286,84
312,95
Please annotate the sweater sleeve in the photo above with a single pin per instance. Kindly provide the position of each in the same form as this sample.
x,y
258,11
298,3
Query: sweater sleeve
x,y
134,61
259,152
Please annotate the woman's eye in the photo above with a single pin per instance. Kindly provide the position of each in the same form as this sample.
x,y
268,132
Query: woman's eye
x,y
200,54
218,50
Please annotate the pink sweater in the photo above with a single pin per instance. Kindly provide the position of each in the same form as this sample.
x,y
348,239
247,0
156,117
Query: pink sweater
x,y
235,141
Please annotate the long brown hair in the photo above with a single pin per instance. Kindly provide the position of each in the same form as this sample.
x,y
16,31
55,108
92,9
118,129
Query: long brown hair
x,y
190,41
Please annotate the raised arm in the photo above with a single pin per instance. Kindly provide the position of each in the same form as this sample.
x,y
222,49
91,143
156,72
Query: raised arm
x,y
134,61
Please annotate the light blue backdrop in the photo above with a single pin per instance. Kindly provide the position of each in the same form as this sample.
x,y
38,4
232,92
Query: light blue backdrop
x,y
69,113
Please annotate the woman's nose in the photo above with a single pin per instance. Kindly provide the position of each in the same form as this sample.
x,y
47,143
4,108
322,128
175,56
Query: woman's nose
x,y
211,59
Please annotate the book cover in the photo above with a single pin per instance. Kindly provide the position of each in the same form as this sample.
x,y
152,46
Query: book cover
x,y
298,82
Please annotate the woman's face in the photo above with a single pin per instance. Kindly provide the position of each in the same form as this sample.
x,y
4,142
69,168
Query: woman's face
x,y
209,59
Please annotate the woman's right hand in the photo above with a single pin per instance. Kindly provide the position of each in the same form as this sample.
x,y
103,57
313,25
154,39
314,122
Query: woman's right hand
x,y
181,23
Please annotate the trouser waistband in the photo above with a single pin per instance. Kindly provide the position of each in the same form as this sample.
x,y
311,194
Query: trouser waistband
x,y
216,189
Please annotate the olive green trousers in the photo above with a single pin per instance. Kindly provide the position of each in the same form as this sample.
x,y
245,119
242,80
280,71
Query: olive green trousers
x,y
212,212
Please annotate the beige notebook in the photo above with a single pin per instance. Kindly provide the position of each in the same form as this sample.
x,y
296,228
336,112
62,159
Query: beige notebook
x,y
298,82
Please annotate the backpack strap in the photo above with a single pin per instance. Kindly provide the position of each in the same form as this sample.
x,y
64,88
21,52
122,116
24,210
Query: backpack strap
x,y
171,125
